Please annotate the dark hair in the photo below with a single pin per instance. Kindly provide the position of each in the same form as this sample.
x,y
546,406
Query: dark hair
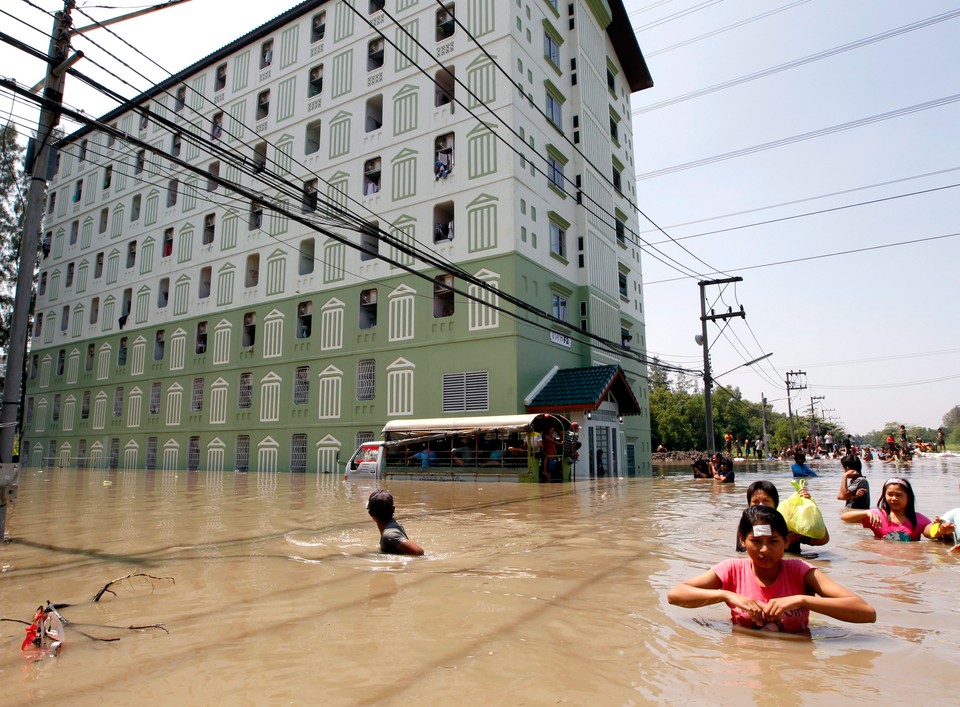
x,y
910,510
851,461
799,458
765,486
761,515
380,505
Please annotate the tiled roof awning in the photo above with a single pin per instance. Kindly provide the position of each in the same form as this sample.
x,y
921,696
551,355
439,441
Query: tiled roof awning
x,y
573,389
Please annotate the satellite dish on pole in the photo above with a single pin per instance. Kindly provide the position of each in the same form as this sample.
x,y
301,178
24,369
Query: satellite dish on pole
x,y
699,339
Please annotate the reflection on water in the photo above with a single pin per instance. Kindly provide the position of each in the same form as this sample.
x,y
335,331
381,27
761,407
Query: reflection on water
x,y
528,594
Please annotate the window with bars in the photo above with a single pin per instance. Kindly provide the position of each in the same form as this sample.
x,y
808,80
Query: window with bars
x,y
155,399
298,453
366,379
466,392
193,454
118,401
301,386
151,463
243,453
245,399
196,399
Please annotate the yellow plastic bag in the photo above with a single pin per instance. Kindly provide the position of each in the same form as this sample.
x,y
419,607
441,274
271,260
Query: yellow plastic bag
x,y
802,515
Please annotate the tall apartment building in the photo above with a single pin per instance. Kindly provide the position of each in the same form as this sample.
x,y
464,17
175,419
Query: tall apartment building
x,y
196,318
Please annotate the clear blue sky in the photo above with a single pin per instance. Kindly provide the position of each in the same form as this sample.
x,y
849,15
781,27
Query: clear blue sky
x,y
868,328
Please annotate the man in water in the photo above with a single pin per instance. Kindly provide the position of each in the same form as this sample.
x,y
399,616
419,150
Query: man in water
x,y
393,538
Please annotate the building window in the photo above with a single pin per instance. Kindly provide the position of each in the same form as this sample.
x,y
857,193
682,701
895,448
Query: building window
x,y
256,216
304,319
445,86
180,100
551,48
65,318
263,104
374,115
249,337
155,399
201,343
70,271
298,452
167,249
245,398
312,140
252,270
611,81
558,240
443,156
617,183
315,83
139,162
216,126
83,151
366,379
118,401
374,54
318,27
309,201
443,222
621,230
220,79
173,186
368,309
369,240
243,453
107,177
555,172
158,345
206,279
94,310
213,170
301,386
176,144
559,307
260,157
97,267
163,292
554,110
135,205
445,24
196,399
42,288
209,228
131,254
266,54
78,191
614,130
375,6
622,284
371,176
307,262
104,219
443,296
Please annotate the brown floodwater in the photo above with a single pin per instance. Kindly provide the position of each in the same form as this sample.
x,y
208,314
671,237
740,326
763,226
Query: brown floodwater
x,y
528,594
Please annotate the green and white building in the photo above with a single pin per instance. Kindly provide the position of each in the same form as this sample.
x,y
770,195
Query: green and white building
x,y
183,324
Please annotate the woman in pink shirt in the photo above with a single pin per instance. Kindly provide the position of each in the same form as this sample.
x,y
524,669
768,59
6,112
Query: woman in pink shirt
x,y
763,590
895,517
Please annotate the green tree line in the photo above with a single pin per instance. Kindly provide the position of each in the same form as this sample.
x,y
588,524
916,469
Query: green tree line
x,y
678,419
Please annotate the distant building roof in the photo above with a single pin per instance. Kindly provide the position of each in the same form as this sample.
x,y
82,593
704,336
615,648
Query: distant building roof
x,y
584,389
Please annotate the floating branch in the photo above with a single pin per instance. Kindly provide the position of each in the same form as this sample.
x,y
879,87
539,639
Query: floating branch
x,y
138,573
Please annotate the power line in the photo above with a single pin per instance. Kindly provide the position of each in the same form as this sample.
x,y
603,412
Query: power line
x,y
715,32
866,41
810,198
676,15
880,117
822,256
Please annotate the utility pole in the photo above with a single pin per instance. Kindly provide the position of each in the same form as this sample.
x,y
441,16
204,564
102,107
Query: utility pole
x,y
763,414
57,64
813,414
791,386
707,381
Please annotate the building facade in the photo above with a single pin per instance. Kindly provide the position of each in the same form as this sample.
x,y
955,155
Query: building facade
x,y
230,276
